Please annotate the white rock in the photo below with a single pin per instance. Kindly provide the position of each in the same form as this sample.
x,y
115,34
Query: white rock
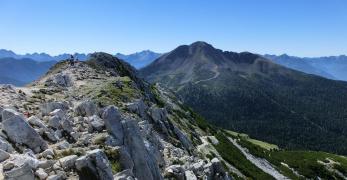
x,y
68,162
3,155
47,152
20,132
54,122
86,108
41,174
94,165
112,120
190,175
58,112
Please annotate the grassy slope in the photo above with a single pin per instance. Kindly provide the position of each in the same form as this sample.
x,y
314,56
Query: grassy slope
x,y
306,163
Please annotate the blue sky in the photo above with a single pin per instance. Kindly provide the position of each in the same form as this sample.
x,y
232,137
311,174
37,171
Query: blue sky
x,y
296,27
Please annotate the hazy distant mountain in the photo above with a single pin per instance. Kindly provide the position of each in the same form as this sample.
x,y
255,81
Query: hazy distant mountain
x,y
22,71
139,59
41,57
249,93
332,67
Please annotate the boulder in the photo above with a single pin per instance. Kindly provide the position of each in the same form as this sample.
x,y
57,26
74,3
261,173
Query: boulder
x,y
20,132
21,166
86,108
183,139
190,175
145,166
54,122
112,120
46,108
60,79
158,114
96,123
6,146
68,162
138,107
36,122
48,152
66,125
174,171
41,174
124,158
23,172
124,175
58,112
3,155
94,165
28,157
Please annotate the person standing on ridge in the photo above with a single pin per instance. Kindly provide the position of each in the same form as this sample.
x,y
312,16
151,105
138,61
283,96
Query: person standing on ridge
x,y
72,60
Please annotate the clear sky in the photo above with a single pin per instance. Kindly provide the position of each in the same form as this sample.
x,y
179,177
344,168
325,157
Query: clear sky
x,y
295,27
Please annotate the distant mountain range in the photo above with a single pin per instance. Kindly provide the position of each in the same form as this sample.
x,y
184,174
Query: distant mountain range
x,y
139,59
251,94
22,71
40,57
332,67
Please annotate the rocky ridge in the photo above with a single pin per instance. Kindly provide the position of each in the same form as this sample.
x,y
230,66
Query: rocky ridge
x,y
97,120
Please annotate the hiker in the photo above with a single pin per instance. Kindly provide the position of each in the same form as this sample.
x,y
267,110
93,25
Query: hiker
x,y
72,60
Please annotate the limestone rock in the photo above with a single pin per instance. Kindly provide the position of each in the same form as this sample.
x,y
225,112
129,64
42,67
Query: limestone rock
x,y
138,107
190,175
20,132
94,165
68,162
35,121
112,120
46,108
175,171
58,112
6,146
96,123
23,172
145,166
124,175
3,155
41,174
54,122
86,108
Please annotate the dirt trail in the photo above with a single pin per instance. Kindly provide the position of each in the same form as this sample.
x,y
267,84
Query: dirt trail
x,y
215,70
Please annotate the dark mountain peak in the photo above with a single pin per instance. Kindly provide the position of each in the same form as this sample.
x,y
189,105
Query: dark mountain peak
x,y
200,44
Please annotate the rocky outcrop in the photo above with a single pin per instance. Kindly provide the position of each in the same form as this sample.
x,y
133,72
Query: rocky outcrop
x,y
20,132
145,166
112,120
138,107
94,165
20,167
60,79
46,108
86,108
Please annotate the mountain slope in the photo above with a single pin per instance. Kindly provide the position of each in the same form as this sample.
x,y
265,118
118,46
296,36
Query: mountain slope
x,y
248,93
98,120
139,59
22,71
